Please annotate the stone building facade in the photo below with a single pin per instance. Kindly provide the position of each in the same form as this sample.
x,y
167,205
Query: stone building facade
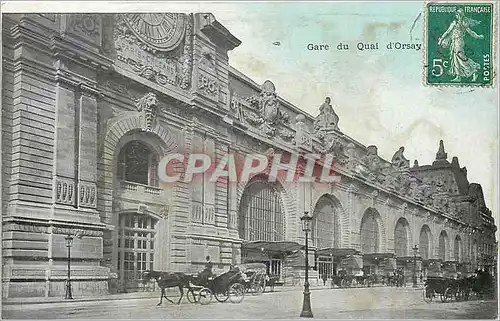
x,y
91,104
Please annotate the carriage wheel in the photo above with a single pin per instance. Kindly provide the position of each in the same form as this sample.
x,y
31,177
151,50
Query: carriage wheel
x,y
257,288
467,293
205,296
222,296
428,294
191,296
261,287
236,293
445,295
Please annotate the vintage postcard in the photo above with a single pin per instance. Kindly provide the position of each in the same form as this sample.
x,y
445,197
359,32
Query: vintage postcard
x,y
249,160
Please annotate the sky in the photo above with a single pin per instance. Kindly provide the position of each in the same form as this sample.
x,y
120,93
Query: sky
x,y
379,94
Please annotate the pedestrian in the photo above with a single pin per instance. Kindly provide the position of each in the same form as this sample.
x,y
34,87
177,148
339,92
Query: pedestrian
x,y
421,278
324,277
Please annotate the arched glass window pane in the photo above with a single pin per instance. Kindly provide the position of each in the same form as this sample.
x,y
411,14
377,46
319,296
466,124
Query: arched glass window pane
x,y
442,246
261,213
457,249
138,164
323,227
401,238
369,233
424,243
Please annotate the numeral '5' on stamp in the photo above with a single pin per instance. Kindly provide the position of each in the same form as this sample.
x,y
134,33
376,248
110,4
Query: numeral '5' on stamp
x,y
459,44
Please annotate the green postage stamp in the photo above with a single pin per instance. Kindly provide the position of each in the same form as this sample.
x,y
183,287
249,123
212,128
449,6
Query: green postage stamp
x,y
459,44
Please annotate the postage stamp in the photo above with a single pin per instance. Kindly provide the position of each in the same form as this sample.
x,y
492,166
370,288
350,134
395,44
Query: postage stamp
x,y
459,44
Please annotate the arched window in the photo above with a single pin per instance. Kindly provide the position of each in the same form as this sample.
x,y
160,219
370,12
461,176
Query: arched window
x,y
442,245
138,164
135,245
261,213
323,227
424,242
458,248
369,233
401,238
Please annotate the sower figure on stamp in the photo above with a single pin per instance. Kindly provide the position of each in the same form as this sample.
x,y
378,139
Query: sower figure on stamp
x,y
453,38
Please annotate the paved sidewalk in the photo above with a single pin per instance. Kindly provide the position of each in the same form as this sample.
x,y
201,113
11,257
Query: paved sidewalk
x,y
153,294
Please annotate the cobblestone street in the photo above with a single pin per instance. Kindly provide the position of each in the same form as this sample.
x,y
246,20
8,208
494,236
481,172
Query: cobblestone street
x,y
369,303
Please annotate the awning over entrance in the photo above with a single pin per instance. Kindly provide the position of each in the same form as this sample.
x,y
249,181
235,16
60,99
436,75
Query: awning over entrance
x,y
284,247
408,259
378,256
256,267
352,262
336,252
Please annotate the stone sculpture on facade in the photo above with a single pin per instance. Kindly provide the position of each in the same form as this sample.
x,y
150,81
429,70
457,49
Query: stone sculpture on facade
x,y
370,164
399,159
268,115
327,118
147,105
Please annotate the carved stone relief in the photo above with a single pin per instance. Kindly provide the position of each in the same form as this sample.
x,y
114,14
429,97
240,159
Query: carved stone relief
x,y
79,232
65,191
161,60
208,85
303,138
87,195
334,145
85,26
147,105
266,113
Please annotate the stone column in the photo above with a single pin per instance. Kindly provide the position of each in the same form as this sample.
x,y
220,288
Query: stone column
x,y
87,152
65,142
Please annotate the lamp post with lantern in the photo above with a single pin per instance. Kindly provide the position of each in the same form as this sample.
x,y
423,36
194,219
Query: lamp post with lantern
x,y
306,304
69,244
415,250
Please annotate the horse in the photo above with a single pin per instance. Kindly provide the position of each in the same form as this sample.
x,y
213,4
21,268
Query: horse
x,y
169,280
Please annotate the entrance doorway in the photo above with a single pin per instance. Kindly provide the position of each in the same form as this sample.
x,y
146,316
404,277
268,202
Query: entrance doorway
x,y
135,248
325,266
274,266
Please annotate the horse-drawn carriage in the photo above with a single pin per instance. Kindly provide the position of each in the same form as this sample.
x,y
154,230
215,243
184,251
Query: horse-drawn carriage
x,y
201,288
442,287
255,277
346,280
228,285
459,288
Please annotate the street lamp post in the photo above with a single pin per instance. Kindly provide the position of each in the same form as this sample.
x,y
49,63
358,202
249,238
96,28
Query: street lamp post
x,y
306,304
415,249
69,243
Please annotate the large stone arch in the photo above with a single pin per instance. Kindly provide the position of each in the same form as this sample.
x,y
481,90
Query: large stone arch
x,y
119,130
425,232
278,185
380,245
443,244
339,217
402,225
